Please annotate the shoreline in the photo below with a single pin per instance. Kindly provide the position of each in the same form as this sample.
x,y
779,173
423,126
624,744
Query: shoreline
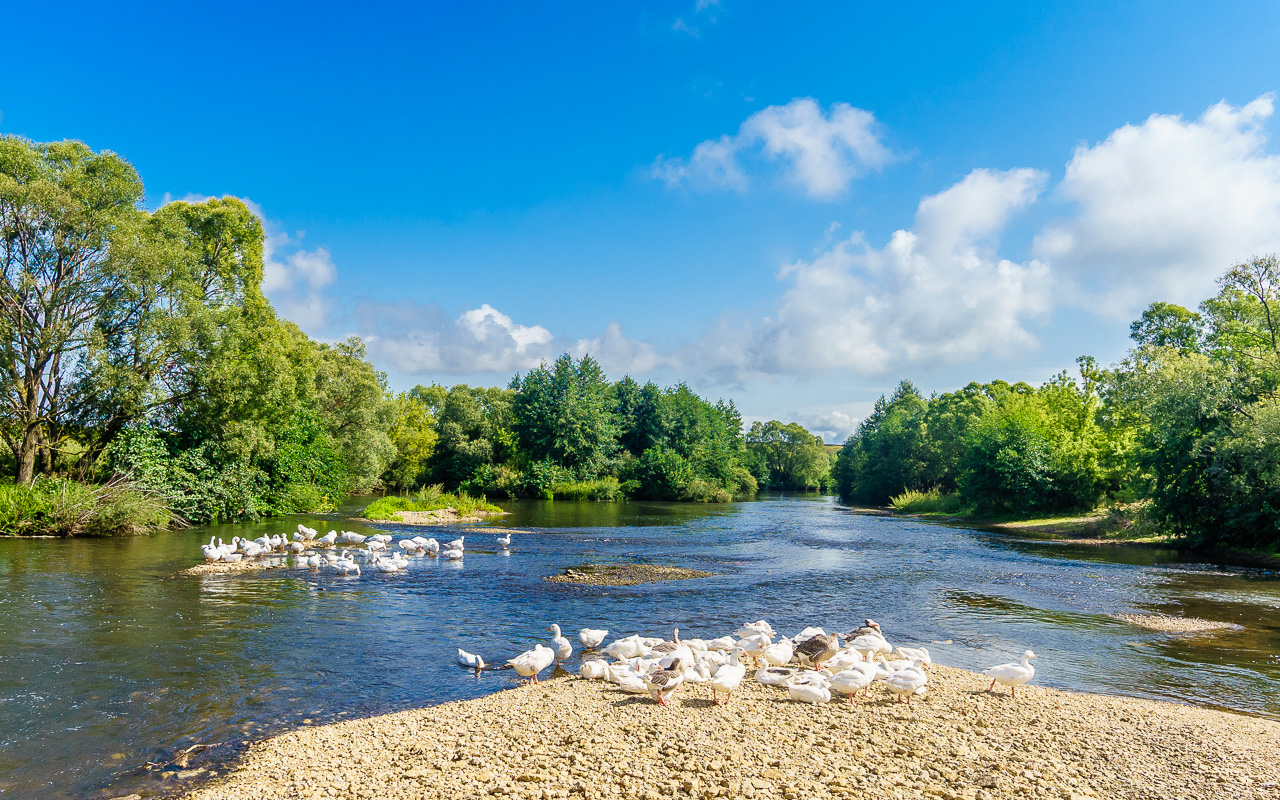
x,y
574,738
1066,530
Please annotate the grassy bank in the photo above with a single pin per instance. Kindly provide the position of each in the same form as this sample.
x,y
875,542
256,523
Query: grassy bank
x,y
61,507
430,498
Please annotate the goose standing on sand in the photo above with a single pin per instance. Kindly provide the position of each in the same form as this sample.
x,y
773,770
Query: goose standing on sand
x,y
211,551
591,637
529,663
663,683
471,660
564,648
818,649
852,681
727,678
779,654
1013,674
908,682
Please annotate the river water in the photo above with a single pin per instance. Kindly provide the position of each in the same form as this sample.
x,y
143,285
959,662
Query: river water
x,y
110,660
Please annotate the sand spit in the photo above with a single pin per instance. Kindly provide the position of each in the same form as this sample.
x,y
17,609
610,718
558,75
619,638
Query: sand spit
x,y
579,739
625,574
443,516
1168,624
223,567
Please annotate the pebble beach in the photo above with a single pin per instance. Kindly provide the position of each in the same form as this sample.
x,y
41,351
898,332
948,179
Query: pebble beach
x,y
573,738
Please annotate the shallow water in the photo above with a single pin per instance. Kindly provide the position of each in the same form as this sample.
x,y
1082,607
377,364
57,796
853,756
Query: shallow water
x,y
111,660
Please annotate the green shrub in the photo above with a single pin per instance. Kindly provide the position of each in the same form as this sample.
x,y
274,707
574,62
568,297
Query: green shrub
x,y
931,502
429,498
60,507
700,491
601,490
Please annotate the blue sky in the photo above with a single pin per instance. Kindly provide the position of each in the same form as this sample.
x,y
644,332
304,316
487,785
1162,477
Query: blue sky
x,y
791,206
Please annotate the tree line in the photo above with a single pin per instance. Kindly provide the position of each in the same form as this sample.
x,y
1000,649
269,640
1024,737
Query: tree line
x,y
139,344
1185,430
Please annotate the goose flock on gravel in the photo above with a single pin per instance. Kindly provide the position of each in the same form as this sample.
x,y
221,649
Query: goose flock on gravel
x,y
309,550
813,666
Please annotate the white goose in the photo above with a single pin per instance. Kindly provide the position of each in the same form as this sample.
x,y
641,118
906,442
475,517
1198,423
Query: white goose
x,y
1013,674
852,681
809,688
353,537
593,669
470,660
591,637
779,654
504,541
564,648
211,551
328,539
774,676
728,678
908,682
529,663
916,654
453,554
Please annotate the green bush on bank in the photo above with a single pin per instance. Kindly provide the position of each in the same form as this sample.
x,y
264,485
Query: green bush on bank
x,y
61,507
430,498
932,501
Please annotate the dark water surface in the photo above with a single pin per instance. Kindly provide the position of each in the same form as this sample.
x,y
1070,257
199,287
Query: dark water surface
x,y
108,659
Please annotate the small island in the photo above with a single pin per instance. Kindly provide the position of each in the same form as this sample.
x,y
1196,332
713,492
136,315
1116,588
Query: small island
x,y
625,574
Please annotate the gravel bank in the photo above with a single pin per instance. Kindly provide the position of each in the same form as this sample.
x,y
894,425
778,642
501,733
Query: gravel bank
x,y
625,574
1168,624
575,738
442,516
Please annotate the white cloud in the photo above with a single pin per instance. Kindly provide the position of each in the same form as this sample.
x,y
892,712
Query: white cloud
x,y
833,426
820,152
619,355
1167,206
417,339
935,294
294,279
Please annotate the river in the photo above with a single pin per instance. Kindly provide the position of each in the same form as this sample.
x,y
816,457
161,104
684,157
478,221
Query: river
x,y
111,660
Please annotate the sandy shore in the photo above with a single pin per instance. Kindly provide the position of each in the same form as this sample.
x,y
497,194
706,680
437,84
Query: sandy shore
x,y
1168,624
575,738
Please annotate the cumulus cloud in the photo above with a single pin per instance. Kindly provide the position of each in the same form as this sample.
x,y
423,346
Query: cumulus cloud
x,y
833,426
294,279
1166,206
619,355
934,294
820,152
419,338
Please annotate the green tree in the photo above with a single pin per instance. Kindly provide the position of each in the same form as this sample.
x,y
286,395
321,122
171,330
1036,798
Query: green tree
x,y
787,456
413,432
563,415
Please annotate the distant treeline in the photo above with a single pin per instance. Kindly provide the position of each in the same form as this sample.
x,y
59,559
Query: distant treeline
x,y
141,357
1184,431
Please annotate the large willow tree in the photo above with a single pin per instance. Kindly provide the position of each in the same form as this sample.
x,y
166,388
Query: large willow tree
x,y
109,313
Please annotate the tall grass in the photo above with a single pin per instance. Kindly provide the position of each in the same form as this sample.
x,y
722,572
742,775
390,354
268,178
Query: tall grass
x,y
931,502
602,490
429,498
62,507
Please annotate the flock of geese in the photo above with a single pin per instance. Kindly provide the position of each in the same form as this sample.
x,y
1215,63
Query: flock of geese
x,y
813,666
307,545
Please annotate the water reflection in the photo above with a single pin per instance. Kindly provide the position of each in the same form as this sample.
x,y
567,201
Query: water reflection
x,y
112,660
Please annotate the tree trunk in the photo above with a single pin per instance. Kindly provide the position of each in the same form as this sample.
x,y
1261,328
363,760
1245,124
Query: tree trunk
x,y
27,454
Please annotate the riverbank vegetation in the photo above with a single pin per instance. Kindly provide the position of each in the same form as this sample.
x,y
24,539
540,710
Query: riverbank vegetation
x,y
430,498
140,352
1180,436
